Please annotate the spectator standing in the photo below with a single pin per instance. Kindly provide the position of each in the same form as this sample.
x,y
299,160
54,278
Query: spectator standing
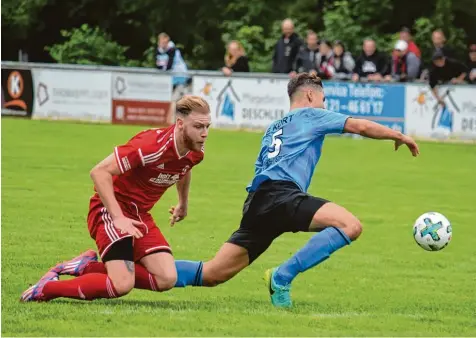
x,y
306,58
405,64
169,58
286,49
439,42
235,59
371,64
445,70
342,61
472,64
324,61
165,53
406,35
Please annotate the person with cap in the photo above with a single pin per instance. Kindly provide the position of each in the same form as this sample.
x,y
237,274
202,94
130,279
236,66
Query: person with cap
x,y
445,70
406,35
472,63
405,64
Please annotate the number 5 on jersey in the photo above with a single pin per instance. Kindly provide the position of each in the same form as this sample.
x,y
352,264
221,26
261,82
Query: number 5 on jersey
x,y
275,147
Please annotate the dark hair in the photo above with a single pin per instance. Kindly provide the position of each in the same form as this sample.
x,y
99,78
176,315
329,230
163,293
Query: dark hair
x,y
303,79
326,42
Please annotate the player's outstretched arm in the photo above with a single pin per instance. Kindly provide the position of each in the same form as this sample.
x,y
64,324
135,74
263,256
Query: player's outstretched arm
x,y
377,131
102,175
179,212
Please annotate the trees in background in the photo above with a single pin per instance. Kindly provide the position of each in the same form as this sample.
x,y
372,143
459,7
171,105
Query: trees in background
x,y
123,32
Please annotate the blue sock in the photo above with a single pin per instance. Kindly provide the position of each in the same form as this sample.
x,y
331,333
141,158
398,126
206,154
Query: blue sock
x,y
188,273
317,250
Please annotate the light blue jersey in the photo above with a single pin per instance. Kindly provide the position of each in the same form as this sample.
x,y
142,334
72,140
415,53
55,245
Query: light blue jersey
x,y
291,147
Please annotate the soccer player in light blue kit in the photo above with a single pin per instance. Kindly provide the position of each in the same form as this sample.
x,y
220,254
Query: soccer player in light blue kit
x,y
278,201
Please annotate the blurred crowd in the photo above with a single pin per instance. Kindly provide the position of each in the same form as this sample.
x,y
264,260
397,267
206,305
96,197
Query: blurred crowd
x,y
331,60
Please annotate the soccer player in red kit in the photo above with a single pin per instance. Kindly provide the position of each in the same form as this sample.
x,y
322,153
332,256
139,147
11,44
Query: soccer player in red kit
x,y
128,183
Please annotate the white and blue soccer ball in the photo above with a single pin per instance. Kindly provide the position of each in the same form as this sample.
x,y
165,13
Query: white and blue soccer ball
x,y
432,231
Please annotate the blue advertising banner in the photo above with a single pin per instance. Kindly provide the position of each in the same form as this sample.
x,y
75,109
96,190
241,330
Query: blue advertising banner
x,y
382,103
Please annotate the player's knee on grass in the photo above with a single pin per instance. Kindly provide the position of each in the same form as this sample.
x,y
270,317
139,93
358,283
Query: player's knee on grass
x,y
167,280
123,284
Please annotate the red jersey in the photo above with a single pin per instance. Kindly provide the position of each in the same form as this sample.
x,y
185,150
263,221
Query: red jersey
x,y
150,164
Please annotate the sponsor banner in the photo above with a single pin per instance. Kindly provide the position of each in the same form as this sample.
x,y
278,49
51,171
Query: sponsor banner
x,y
17,92
71,94
243,102
384,104
426,118
256,103
141,98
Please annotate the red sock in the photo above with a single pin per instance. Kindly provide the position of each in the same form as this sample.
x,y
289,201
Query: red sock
x,y
88,287
94,267
144,280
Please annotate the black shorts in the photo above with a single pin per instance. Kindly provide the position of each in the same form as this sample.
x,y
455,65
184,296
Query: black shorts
x,y
274,208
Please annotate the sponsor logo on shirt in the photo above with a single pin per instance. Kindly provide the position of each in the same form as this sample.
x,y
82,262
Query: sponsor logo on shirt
x,y
165,179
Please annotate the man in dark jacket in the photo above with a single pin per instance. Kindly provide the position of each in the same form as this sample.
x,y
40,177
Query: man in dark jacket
x,y
371,64
306,58
439,43
445,70
286,49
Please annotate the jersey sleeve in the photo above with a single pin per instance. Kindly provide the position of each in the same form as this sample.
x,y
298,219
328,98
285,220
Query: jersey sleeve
x,y
323,121
138,152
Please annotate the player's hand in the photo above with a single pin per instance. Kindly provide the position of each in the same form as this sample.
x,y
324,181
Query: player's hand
x,y
410,143
129,226
177,213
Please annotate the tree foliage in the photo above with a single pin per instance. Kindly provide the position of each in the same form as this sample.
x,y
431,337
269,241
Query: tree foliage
x,y
89,46
121,31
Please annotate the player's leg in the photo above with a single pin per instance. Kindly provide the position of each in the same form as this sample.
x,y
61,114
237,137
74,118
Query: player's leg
x,y
337,228
156,266
118,281
116,251
244,246
155,269
228,261
256,233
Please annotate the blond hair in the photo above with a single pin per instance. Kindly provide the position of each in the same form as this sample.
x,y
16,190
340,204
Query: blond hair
x,y
163,35
190,103
230,60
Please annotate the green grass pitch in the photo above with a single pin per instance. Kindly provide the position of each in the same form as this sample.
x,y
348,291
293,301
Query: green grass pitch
x,y
381,285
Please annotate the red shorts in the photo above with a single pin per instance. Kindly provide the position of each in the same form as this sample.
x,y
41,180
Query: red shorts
x,y
102,230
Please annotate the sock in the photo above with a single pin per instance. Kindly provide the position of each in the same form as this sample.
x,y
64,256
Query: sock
x,y
144,280
188,273
317,250
87,287
94,267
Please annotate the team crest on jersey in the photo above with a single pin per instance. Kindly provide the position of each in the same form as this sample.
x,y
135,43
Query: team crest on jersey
x,y
165,179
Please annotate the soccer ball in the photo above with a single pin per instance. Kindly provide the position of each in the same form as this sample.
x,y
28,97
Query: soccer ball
x,y
432,231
